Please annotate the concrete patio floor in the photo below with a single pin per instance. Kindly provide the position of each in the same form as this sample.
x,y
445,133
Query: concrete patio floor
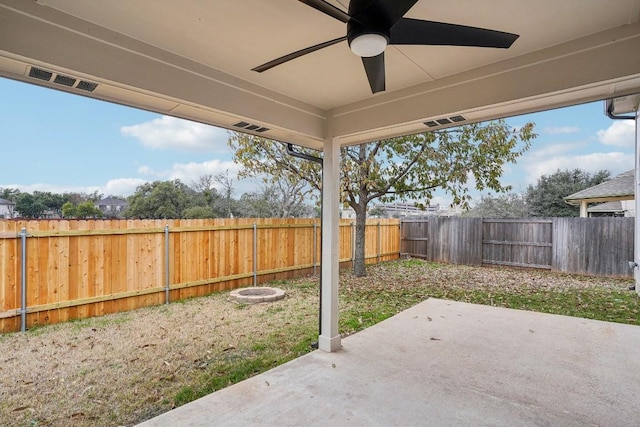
x,y
444,363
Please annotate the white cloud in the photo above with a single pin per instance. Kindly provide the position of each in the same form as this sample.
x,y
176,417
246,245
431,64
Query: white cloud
x,y
145,170
621,133
121,186
537,165
562,130
170,133
189,172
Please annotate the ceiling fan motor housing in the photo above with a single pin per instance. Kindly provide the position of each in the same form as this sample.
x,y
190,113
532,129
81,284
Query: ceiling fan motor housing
x,y
355,30
362,23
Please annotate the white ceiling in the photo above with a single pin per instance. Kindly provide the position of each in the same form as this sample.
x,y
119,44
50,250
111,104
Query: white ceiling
x,y
193,59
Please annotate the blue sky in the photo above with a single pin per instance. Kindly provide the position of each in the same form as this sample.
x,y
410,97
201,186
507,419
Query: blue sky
x,y
54,141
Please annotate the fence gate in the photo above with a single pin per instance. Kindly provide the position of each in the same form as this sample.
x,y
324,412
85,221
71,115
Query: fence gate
x,y
521,243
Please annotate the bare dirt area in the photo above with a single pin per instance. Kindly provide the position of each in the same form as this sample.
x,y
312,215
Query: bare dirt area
x,y
124,368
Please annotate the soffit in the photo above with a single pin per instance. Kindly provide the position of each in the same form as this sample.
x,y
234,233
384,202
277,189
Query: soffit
x,y
193,59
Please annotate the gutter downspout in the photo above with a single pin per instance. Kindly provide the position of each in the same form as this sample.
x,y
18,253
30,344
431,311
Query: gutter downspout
x,y
636,187
609,112
292,152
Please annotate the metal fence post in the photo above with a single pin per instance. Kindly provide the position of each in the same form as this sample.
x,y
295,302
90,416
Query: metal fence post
x,y
166,264
23,281
353,241
255,254
379,242
400,239
315,247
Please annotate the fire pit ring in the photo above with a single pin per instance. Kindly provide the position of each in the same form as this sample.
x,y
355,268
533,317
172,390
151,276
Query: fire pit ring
x,y
256,295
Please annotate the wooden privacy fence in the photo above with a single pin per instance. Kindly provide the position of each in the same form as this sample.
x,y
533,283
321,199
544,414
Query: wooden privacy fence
x,y
590,246
77,269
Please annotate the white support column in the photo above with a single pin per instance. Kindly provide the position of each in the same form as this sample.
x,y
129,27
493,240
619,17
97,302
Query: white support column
x,y
329,339
583,209
636,246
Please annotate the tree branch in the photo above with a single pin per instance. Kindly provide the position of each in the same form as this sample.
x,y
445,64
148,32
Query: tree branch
x,y
393,181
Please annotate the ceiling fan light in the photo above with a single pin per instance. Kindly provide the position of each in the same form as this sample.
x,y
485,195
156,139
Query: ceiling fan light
x,y
369,44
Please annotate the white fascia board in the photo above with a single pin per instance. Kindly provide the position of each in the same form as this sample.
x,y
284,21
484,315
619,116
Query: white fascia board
x,y
62,43
583,70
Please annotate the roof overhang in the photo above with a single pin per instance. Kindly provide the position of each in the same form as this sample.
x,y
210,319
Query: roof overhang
x,y
577,202
194,61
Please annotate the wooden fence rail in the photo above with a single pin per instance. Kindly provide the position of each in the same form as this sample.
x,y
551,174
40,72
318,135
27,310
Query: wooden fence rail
x,y
77,269
591,246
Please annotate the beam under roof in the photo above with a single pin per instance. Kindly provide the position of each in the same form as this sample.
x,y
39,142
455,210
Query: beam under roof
x,y
130,71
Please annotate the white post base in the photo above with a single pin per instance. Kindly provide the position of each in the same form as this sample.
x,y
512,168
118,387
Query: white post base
x,y
329,344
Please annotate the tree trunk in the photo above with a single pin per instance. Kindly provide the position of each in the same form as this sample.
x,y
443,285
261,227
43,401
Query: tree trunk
x,y
359,269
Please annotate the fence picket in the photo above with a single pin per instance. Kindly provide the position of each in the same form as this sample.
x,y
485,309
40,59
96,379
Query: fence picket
x,y
81,268
591,246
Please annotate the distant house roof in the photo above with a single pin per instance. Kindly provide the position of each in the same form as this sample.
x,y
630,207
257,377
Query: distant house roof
x,y
619,187
607,207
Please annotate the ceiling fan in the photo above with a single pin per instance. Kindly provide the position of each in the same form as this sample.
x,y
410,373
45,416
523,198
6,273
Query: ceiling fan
x,y
374,24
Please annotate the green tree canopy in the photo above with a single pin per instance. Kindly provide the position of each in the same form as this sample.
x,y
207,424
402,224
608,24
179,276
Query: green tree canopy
x,y
9,193
275,201
69,210
29,206
410,167
160,200
546,198
198,212
88,210
207,196
510,205
52,201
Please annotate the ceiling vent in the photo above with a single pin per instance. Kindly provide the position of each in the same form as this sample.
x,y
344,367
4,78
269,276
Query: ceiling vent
x,y
61,79
250,126
445,121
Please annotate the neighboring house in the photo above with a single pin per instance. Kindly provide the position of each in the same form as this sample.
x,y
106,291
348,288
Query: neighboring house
x,y
615,197
617,208
111,207
6,208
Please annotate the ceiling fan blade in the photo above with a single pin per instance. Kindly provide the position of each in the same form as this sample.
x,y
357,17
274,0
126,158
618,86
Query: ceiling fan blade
x,y
327,9
374,67
390,11
298,54
417,32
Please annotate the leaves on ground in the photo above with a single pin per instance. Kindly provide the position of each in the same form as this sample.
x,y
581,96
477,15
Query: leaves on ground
x,y
124,368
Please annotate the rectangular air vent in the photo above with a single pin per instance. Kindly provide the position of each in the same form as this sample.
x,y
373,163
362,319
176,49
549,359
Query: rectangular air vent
x,y
39,73
445,121
64,80
88,86
61,79
251,126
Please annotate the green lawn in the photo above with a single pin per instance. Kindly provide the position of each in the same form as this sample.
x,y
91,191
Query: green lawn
x,y
395,286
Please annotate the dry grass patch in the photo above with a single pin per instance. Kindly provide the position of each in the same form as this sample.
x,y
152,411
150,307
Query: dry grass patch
x,y
124,368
